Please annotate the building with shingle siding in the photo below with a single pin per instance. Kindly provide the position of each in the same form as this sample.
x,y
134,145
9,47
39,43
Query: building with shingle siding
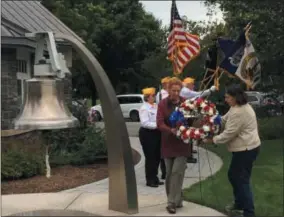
x,y
17,51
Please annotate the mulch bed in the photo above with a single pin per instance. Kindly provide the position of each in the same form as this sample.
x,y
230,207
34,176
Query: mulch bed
x,y
62,178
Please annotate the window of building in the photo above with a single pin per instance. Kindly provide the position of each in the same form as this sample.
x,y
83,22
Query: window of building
x,y
22,66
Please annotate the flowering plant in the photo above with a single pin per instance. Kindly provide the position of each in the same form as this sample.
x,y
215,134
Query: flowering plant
x,y
194,109
92,116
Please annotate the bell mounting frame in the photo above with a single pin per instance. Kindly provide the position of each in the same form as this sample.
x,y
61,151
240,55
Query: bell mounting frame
x,y
122,180
55,65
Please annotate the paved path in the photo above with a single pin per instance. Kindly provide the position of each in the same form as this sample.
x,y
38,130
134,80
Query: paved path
x,y
93,198
132,128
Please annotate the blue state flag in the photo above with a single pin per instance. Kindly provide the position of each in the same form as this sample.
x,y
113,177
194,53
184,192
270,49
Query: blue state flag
x,y
233,52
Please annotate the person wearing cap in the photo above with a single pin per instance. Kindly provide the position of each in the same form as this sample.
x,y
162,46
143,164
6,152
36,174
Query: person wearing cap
x,y
150,137
187,92
164,91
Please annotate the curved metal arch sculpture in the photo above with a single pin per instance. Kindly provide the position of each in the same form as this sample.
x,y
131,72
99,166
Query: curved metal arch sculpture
x,y
122,180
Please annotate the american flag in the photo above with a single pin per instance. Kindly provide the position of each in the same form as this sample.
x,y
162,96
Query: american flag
x,y
182,46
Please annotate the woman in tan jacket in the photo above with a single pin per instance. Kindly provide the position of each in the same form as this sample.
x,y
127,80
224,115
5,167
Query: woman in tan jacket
x,y
242,139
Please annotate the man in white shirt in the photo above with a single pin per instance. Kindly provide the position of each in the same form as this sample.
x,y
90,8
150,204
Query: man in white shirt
x,y
150,137
164,91
187,92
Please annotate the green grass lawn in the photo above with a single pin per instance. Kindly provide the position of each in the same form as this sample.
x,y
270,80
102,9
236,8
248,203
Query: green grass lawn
x,y
267,182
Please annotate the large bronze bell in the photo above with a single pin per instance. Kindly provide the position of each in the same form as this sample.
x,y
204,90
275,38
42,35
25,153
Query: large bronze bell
x,y
44,107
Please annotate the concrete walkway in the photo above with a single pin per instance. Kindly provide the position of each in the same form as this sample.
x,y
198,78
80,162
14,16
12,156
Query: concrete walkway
x,y
93,198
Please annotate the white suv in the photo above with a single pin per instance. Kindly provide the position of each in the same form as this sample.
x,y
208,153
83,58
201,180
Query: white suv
x,y
129,104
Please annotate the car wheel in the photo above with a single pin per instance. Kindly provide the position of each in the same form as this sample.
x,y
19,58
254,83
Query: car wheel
x,y
134,116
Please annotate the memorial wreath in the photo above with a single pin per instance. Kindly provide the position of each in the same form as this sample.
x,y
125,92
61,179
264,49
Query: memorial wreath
x,y
196,119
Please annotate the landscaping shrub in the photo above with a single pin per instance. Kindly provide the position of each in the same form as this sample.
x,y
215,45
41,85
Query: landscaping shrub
x,y
76,146
92,149
271,128
66,140
17,164
84,152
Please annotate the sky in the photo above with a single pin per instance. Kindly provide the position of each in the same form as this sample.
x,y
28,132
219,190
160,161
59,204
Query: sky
x,y
194,10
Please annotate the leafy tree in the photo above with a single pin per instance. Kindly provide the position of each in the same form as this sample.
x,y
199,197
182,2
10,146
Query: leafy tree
x,y
266,33
119,33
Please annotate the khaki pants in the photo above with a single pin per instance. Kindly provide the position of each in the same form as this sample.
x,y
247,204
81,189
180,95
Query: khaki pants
x,y
175,169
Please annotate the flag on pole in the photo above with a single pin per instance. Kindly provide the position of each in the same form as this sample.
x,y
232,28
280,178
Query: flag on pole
x,y
182,46
233,52
240,60
249,69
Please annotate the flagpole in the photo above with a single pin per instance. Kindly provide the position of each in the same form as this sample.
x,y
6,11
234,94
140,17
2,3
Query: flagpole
x,y
217,80
248,87
208,69
213,76
174,60
202,82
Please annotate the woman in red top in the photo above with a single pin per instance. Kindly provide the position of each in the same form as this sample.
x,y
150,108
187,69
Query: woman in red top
x,y
174,151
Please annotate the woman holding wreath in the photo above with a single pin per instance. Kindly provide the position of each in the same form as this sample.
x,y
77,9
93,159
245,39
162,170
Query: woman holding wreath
x,y
174,151
242,139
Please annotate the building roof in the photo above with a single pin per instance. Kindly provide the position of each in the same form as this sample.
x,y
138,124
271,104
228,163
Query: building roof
x,y
30,16
6,31
10,29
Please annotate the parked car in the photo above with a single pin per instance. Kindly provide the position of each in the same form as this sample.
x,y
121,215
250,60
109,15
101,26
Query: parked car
x,y
255,98
264,102
280,98
260,99
129,104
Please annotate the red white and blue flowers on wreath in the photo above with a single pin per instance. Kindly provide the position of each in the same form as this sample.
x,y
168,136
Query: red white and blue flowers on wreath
x,y
197,108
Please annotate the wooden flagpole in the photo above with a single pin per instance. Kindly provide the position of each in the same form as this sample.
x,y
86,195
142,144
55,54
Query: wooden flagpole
x,y
213,76
217,84
203,80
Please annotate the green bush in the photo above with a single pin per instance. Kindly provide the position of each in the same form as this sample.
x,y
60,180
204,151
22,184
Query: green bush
x,y
87,151
65,141
76,146
271,128
92,148
20,164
